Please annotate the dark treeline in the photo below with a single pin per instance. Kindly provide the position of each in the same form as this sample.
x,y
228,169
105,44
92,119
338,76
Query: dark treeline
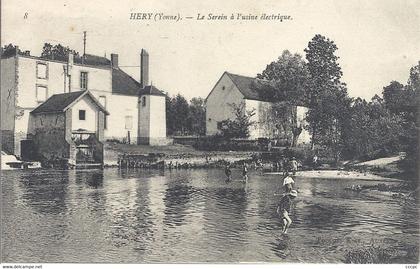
x,y
185,118
343,127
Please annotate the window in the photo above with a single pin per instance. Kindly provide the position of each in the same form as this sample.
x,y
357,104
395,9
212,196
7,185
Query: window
x,y
102,101
143,101
41,70
223,88
219,125
41,93
128,122
82,114
84,80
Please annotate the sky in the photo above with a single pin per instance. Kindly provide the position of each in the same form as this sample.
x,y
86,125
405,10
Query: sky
x,y
378,40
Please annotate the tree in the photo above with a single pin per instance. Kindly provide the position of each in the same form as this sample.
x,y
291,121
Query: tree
x,y
288,86
394,96
289,77
373,131
329,103
197,116
239,126
177,115
170,115
11,50
57,52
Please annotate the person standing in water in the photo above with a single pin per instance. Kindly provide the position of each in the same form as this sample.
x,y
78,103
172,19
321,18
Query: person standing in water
x,y
288,183
315,162
228,172
294,165
245,171
284,209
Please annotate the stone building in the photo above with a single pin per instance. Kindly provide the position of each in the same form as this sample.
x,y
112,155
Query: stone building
x,y
68,126
28,81
237,89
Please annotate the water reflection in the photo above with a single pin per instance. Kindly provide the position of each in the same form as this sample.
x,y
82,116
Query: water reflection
x,y
189,216
45,192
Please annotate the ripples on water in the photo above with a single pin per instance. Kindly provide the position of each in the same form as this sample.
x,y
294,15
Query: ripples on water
x,y
188,216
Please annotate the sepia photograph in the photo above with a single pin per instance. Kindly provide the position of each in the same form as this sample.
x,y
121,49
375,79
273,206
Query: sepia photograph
x,y
209,132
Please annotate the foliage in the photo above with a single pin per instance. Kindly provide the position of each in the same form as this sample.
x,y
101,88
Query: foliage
x,y
197,116
57,52
372,131
288,86
183,118
11,50
329,103
239,126
383,127
177,115
289,77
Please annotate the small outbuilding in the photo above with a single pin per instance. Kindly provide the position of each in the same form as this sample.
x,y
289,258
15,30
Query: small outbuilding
x,y
69,128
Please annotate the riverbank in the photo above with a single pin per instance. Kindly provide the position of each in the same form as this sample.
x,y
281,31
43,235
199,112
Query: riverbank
x,y
187,156
183,155
341,174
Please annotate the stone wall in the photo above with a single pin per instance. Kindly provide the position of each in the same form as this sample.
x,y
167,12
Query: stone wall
x,y
49,135
8,78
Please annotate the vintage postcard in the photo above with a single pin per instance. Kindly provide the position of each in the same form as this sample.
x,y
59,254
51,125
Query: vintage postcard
x,y
142,132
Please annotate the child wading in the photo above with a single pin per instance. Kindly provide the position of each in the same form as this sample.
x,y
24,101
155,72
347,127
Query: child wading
x,y
294,165
228,173
288,183
284,209
245,171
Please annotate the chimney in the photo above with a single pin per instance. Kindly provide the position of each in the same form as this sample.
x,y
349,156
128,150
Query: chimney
x,y
144,68
71,58
114,60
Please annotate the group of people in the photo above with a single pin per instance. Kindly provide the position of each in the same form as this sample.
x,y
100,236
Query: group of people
x,y
285,203
228,172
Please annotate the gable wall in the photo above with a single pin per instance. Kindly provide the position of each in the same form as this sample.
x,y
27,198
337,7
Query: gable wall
x,y
217,103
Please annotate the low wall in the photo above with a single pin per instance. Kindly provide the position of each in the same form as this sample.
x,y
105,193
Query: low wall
x,y
185,140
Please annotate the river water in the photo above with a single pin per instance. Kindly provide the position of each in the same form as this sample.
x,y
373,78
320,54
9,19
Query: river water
x,y
147,216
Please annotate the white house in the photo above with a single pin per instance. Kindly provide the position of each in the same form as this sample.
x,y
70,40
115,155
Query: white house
x,y
237,89
68,126
28,81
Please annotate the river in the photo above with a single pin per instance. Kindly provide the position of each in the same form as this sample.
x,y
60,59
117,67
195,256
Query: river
x,y
145,216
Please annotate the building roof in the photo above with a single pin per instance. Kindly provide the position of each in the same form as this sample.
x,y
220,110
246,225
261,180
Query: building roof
x,y
59,103
251,88
122,83
151,90
90,59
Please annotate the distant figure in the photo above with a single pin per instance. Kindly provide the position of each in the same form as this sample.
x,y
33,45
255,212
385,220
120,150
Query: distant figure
x,y
258,164
269,146
294,165
282,164
245,171
315,162
284,209
228,172
288,183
